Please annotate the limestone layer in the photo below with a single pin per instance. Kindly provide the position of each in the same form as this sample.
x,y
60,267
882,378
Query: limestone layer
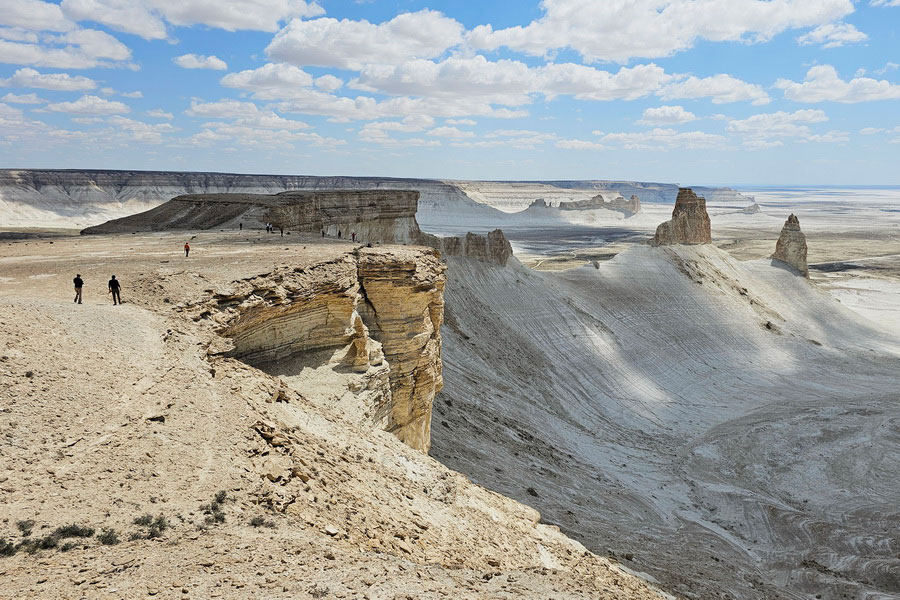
x,y
689,223
791,246
490,248
372,317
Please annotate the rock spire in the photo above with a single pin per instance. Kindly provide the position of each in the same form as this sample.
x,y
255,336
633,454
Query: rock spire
x,y
791,246
689,223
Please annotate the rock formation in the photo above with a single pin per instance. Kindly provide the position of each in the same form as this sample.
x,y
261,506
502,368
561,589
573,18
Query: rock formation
x,y
619,204
791,246
490,248
751,209
376,313
689,223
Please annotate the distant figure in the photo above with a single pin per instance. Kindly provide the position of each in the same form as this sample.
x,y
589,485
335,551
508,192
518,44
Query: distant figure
x,y
323,233
79,283
353,235
187,249
369,245
114,288
241,226
339,234
282,231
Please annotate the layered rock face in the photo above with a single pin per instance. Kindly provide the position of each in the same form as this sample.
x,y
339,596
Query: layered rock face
x,y
689,223
490,248
791,246
379,215
371,319
619,204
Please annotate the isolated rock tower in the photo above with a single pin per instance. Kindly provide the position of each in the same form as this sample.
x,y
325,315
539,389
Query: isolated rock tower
x,y
791,246
689,223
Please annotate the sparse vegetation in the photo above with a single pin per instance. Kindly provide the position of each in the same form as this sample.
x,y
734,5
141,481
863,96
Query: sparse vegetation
x,y
108,537
7,548
213,510
25,527
144,520
70,531
260,521
156,526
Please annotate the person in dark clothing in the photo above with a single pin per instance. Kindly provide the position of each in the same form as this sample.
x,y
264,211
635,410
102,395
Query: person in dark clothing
x,y
353,236
339,234
187,249
114,289
241,226
79,283
323,233
282,231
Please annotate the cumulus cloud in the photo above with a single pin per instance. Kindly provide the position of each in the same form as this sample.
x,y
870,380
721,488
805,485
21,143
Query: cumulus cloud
x,y
619,31
34,15
450,132
329,83
198,61
224,109
270,81
508,82
148,18
134,94
822,83
30,78
767,128
89,105
148,133
158,113
832,35
885,2
666,115
78,49
348,44
721,89
22,99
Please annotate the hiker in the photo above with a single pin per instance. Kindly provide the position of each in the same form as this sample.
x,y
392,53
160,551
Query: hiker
x,y
187,249
241,226
323,233
282,231
114,288
339,234
353,235
79,283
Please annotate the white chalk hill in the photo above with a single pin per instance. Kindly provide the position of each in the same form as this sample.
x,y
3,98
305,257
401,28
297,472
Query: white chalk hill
x,y
728,424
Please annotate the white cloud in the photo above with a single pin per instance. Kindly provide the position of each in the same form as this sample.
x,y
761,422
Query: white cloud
x,y
508,82
871,130
450,132
888,66
350,44
621,30
34,15
134,94
270,81
79,49
222,109
329,83
580,145
22,99
158,113
762,144
197,61
885,3
468,122
832,35
661,139
339,108
148,18
16,34
721,88
822,83
666,115
757,130
30,78
140,131
90,105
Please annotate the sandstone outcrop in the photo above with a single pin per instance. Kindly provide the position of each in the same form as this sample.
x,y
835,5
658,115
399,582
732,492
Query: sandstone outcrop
x,y
791,246
689,223
490,248
373,318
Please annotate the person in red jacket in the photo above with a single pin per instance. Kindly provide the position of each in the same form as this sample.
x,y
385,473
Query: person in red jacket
x,y
187,249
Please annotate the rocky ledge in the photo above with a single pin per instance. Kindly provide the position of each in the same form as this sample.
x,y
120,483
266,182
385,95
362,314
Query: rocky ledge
x,y
791,246
689,224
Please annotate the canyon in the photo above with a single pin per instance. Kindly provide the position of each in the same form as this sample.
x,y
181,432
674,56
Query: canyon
x,y
685,415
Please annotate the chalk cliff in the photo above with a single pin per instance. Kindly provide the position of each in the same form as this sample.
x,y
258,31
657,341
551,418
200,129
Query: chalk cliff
x,y
371,318
791,246
689,223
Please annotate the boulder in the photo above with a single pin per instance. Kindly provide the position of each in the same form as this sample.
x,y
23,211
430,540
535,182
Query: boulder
x,y
689,223
791,246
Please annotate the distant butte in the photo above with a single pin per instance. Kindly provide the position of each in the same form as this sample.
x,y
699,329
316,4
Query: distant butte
x,y
689,223
791,246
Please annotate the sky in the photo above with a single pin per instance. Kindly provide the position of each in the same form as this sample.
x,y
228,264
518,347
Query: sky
x,y
719,92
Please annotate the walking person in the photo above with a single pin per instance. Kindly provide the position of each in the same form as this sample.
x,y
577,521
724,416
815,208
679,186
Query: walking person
x,y
353,235
79,283
282,231
187,249
114,289
241,226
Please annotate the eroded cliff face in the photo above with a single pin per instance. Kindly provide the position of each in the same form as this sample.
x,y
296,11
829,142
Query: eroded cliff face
x,y
791,246
492,247
367,325
689,224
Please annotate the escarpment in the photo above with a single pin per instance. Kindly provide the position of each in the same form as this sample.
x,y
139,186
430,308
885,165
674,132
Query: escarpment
x,y
492,247
367,324
791,246
689,224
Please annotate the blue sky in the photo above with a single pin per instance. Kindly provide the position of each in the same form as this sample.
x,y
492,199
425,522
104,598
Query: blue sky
x,y
741,92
